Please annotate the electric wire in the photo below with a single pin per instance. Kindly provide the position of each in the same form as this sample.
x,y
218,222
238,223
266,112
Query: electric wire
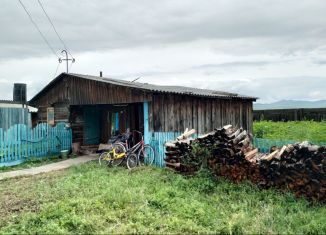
x,y
69,69
38,29
55,73
54,28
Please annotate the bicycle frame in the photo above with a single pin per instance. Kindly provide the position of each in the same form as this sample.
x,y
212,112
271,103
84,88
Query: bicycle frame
x,y
115,155
139,146
134,149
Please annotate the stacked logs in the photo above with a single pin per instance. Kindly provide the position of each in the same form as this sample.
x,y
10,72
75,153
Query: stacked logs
x,y
300,168
179,155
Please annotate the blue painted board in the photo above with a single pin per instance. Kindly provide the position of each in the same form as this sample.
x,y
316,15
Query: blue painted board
x,y
92,125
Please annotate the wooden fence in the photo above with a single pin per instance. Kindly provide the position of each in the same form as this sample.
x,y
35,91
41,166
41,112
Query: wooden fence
x,y
316,114
20,143
157,141
12,116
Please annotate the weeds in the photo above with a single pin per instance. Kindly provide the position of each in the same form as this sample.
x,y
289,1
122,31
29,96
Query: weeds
x,y
294,130
93,199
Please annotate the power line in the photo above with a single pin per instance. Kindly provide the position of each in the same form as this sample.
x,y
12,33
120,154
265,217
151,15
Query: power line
x,y
56,70
38,29
55,30
70,66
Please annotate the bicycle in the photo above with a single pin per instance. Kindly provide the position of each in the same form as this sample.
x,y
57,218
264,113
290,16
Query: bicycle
x,y
112,157
139,154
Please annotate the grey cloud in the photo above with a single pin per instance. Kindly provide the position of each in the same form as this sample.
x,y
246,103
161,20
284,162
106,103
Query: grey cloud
x,y
278,88
320,62
169,39
98,25
234,64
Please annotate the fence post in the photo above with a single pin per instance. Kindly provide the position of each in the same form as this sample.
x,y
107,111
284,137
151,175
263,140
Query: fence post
x,y
146,123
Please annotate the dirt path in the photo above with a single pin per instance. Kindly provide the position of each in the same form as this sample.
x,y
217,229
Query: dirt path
x,y
50,167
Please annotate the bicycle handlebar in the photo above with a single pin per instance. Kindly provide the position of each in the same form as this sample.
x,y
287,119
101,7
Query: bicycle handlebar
x,y
141,134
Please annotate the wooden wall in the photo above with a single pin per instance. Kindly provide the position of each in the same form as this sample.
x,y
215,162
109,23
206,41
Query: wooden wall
x,y
168,112
178,112
85,92
12,116
71,90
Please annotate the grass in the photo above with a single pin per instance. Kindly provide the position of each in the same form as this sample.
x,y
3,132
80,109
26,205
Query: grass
x,y
294,130
93,199
32,162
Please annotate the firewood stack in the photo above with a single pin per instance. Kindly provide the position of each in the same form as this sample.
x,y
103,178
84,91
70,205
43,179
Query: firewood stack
x,y
232,154
179,155
300,168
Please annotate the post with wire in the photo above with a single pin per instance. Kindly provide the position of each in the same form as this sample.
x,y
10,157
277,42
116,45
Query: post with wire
x,y
66,59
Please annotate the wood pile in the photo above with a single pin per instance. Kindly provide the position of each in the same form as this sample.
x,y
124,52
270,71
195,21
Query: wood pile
x,y
179,155
300,168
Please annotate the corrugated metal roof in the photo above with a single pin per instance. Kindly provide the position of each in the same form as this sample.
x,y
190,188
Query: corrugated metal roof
x,y
8,102
166,89
16,105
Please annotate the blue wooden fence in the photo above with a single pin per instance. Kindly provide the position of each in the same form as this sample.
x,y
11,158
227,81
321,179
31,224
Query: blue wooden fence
x,y
157,141
264,145
20,142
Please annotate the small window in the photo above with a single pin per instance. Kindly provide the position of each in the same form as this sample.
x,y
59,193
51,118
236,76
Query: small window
x,y
50,116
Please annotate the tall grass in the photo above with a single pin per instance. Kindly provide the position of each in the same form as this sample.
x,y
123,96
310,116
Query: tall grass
x,y
93,199
294,130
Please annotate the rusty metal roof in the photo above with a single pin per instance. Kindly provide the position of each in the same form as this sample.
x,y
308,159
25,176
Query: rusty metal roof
x,y
182,90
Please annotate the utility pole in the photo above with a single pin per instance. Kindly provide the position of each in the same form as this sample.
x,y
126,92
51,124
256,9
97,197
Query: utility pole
x,y
66,59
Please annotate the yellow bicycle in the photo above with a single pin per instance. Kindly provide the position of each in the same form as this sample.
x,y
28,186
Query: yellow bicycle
x,y
114,156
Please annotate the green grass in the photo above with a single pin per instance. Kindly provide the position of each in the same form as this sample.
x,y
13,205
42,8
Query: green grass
x,y
32,162
94,199
295,130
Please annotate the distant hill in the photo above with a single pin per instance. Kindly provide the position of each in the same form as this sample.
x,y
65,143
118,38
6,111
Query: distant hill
x,y
291,104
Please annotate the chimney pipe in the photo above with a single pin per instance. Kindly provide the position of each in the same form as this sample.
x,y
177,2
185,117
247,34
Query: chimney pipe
x,y
101,74
20,93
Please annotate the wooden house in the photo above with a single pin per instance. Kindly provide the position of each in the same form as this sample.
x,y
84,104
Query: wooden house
x,y
96,107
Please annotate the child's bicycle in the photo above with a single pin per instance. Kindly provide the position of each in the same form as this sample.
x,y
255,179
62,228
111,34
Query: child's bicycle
x,y
139,154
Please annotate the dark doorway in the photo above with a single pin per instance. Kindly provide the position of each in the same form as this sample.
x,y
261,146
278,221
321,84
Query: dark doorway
x,y
91,125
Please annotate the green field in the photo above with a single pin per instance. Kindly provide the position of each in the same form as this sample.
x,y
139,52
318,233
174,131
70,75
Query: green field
x,y
94,199
295,130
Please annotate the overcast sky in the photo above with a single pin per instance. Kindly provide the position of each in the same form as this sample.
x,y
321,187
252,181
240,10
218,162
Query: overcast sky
x,y
270,49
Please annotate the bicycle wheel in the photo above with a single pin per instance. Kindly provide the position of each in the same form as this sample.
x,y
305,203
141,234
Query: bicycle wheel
x,y
119,148
104,159
132,161
146,155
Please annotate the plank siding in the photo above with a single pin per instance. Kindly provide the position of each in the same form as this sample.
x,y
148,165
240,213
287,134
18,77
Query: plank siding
x,y
167,112
94,92
175,113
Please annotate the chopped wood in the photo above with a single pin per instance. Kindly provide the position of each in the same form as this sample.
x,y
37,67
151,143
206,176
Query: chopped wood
x,y
281,152
177,165
240,137
298,167
251,154
169,144
270,156
186,134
